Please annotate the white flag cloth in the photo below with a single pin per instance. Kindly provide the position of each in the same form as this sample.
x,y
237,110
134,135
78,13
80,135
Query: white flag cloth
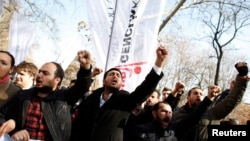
x,y
100,15
70,50
21,37
46,41
133,38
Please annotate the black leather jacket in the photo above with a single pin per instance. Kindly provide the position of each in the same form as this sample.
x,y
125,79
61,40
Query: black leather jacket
x,y
55,107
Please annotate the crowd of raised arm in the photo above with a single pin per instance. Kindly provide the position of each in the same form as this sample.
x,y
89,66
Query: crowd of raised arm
x,y
33,106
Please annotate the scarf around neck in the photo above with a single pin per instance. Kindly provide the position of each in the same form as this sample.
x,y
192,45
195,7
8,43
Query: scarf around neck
x,y
5,79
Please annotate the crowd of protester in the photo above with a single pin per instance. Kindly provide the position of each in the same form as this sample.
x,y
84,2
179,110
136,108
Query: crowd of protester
x,y
33,106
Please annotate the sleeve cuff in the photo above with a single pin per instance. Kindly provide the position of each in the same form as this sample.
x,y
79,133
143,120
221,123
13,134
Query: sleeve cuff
x,y
157,70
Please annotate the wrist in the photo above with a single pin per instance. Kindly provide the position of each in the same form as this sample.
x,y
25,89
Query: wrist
x,y
246,77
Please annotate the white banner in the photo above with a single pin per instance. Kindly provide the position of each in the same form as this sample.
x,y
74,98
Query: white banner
x,y
100,16
21,37
70,50
56,40
133,39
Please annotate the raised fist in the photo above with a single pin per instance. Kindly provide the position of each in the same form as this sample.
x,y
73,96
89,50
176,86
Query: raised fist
x,y
179,87
96,71
213,91
242,68
84,59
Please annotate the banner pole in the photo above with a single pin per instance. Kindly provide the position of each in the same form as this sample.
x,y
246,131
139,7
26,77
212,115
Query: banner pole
x,y
112,27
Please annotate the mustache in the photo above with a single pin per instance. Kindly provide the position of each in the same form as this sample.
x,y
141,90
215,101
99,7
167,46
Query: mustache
x,y
167,119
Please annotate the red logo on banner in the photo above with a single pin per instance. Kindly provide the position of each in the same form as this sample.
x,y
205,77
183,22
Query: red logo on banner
x,y
129,69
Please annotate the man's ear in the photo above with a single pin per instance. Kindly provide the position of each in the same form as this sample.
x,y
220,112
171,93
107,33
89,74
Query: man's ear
x,y
58,79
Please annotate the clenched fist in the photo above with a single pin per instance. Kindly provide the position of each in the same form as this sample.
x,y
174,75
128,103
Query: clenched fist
x,y
84,59
242,68
213,91
161,56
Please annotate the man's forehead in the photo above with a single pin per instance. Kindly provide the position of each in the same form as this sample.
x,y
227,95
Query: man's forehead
x,y
197,90
49,67
113,71
21,70
166,106
154,94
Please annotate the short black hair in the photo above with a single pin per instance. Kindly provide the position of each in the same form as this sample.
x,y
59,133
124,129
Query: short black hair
x,y
189,92
59,72
166,89
106,73
158,93
157,105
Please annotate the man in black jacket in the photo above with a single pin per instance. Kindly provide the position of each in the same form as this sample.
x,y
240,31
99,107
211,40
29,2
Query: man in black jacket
x,y
162,127
103,114
43,112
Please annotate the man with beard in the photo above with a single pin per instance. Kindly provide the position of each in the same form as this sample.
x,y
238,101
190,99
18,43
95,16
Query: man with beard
x,y
103,114
145,116
43,112
216,112
225,104
162,127
194,97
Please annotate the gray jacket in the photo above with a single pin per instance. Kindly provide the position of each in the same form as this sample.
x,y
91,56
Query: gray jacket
x,y
214,113
220,110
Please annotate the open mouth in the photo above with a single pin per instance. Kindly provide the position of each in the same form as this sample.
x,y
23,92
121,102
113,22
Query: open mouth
x,y
114,82
166,120
38,82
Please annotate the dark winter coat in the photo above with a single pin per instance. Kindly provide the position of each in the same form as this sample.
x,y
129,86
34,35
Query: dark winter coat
x,y
108,122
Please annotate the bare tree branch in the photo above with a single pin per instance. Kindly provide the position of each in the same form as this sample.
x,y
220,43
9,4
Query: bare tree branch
x,y
171,15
